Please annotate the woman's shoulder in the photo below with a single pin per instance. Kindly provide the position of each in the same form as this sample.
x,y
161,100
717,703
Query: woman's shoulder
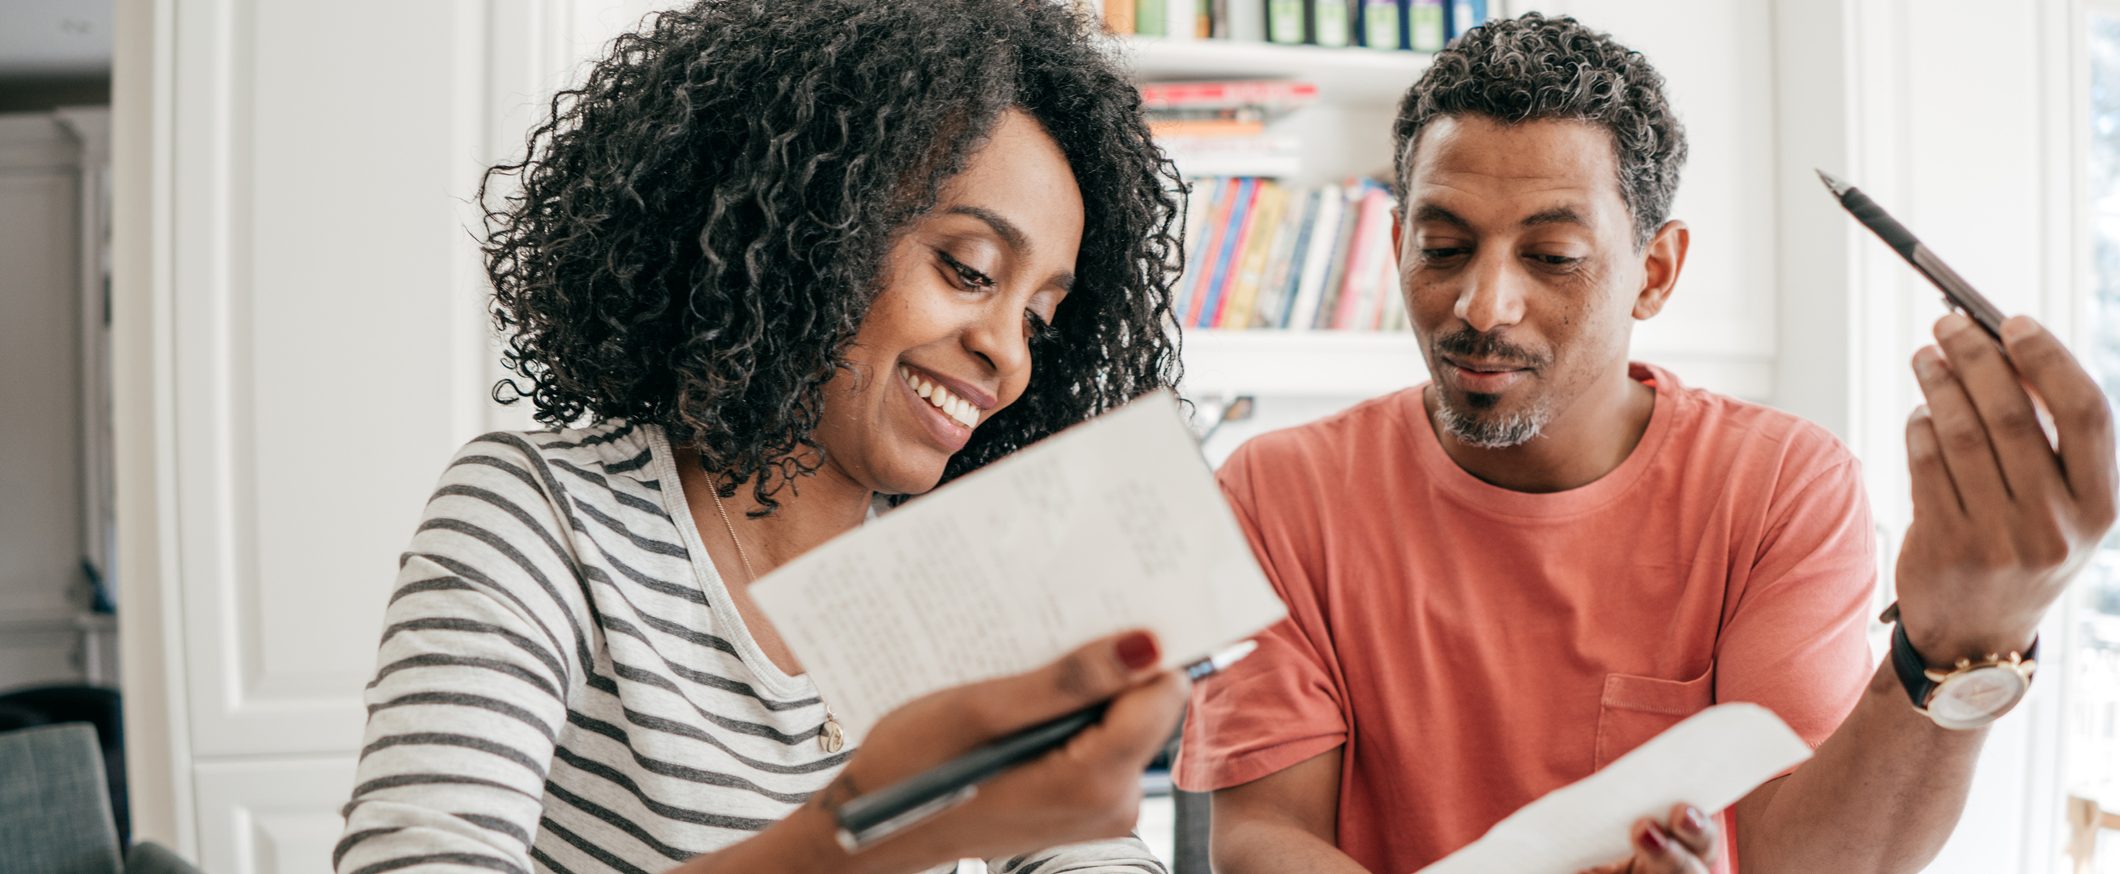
x,y
548,458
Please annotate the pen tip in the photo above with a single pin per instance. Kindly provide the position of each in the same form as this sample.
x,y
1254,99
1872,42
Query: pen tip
x,y
1834,185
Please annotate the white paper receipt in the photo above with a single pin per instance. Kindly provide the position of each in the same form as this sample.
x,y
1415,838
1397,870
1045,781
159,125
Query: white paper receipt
x,y
1709,761
1110,525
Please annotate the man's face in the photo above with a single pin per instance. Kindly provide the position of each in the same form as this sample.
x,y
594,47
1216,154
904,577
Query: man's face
x,y
1518,262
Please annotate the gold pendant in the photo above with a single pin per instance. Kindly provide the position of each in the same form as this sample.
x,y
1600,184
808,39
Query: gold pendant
x,y
830,737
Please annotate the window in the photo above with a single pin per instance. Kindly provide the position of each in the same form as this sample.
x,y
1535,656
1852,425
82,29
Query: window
x,y
2094,663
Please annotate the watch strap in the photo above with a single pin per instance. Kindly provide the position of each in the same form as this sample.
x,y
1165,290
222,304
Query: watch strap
x,y
1913,670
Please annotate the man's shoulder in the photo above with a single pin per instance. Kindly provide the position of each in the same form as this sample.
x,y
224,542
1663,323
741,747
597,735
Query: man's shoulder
x,y
1750,438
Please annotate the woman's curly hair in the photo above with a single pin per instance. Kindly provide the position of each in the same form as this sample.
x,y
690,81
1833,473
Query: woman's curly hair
x,y
1533,67
695,233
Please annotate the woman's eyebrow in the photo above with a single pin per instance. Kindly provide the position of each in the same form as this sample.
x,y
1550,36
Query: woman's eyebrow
x,y
1006,229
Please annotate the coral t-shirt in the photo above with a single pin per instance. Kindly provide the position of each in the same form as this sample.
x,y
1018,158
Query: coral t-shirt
x,y
1473,648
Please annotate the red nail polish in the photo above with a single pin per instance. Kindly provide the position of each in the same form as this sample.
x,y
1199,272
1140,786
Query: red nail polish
x,y
1654,841
1138,650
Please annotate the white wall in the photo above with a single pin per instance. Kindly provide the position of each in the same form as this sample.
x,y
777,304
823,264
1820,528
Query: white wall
x,y
40,391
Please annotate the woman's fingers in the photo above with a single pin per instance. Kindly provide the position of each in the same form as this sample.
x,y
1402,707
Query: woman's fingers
x,y
1092,673
1137,726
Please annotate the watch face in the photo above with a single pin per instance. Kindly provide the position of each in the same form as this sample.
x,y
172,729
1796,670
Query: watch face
x,y
1976,697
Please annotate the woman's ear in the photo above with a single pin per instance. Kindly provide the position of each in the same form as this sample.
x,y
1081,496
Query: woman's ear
x,y
1662,259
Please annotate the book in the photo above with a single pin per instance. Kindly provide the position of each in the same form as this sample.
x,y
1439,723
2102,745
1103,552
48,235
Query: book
x,y
1150,18
1281,263
1380,24
1201,265
1255,247
1119,16
1332,22
1301,311
1425,25
1264,94
1247,20
1192,238
1336,277
1461,16
1178,128
1352,311
1285,22
1181,19
1218,282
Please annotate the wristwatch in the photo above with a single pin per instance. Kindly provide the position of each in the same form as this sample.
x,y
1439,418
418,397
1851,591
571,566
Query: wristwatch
x,y
1969,694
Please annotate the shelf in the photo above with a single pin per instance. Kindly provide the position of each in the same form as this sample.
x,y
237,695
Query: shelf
x,y
1343,75
1300,363
1360,364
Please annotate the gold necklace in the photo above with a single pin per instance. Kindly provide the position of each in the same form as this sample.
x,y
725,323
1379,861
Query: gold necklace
x,y
830,737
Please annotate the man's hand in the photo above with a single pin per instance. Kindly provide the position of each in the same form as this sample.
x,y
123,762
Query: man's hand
x,y
2002,518
1688,844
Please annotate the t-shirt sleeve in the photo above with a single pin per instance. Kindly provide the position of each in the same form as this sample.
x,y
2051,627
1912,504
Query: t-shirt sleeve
x,y
476,662
1284,703
1796,641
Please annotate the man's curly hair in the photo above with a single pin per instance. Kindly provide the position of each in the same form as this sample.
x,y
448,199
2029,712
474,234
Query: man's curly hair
x,y
696,233
1534,68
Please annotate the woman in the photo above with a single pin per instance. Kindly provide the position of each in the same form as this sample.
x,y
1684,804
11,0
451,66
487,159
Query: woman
x,y
785,259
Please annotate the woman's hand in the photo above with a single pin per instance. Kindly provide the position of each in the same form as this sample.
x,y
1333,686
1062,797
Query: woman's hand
x,y
1087,790
1688,844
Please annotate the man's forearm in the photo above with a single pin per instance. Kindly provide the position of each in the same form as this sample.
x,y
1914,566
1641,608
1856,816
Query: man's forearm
x,y
1274,848
1881,795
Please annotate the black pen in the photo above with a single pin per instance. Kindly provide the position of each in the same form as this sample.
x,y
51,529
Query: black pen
x,y
1957,293
906,803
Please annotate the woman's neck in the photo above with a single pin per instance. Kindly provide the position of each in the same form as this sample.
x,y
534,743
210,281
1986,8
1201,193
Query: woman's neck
x,y
827,505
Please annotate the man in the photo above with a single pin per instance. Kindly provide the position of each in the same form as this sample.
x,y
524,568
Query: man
x,y
1501,581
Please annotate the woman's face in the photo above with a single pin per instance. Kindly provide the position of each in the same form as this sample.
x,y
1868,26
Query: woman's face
x,y
946,343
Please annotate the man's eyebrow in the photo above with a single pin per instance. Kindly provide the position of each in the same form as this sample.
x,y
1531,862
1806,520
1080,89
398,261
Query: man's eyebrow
x,y
1006,229
1556,215
1429,212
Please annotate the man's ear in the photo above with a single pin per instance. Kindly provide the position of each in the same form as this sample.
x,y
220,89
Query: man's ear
x,y
1661,261
1397,234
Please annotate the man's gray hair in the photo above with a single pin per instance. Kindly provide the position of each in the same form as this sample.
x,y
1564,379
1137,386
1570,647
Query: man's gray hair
x,y
1535,68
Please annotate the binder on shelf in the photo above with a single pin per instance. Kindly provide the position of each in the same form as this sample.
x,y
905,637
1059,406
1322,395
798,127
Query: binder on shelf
x,y
1380,24
1461,16
1285,22
1332,22
1425,26
1151,18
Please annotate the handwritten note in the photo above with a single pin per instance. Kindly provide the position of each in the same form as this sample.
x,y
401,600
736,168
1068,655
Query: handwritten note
x,y
1709,761
1110,525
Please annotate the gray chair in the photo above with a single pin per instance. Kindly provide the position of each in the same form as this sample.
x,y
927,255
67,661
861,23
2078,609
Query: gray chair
x,y
55,808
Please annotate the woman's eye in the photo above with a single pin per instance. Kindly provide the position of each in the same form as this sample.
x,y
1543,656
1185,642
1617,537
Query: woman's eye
x,y
1040,329
969,277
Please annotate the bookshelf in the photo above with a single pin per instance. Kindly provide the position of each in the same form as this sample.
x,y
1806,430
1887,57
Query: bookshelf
x,y
1344,76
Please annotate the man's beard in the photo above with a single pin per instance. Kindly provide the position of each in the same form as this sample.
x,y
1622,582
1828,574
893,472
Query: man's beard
x,y
1477,425
1494,431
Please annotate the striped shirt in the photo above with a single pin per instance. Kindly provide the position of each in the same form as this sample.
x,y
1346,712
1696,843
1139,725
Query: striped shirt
x,y
563,685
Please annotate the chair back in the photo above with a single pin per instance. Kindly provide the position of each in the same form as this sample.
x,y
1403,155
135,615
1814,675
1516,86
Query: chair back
x,y
54,803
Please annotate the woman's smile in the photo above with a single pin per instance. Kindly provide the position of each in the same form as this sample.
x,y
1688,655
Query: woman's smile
x,y
948,415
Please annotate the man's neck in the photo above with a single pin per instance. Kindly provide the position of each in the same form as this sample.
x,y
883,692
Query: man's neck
x,y
1589,439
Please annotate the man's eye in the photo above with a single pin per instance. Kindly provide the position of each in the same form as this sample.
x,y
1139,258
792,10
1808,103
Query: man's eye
x,y
1556,260
1442,254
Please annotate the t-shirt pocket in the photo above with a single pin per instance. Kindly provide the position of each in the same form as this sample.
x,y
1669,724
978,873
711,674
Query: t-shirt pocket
x,y
1635,708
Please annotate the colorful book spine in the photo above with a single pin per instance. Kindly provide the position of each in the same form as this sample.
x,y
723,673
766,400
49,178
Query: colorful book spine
x,y
1257,246
1261,94
1225,275
1336,278
1150,18
1216,269
1351,309
1302,308
1280,263
1425,25
1201,265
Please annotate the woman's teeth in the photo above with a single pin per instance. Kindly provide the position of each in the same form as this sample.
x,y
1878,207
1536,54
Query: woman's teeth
x,y
951,405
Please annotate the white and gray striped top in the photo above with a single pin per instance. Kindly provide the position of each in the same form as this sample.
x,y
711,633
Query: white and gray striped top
x,y
563,685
